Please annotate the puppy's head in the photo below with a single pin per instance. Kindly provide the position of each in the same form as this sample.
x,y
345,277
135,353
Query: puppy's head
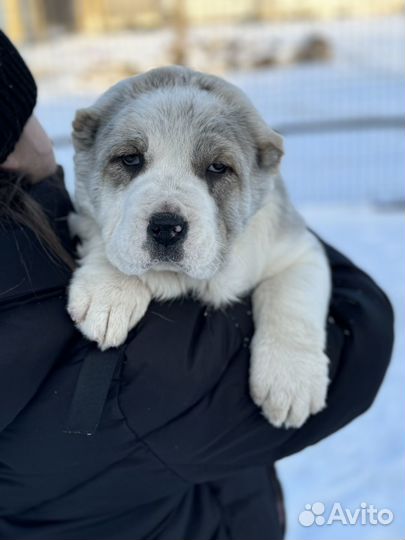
x,y
172,164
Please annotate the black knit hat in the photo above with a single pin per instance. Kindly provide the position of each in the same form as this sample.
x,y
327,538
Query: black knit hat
x,y
18,95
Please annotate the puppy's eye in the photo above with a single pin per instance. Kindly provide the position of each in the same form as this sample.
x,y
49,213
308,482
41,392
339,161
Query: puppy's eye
x,y
134,161
218,168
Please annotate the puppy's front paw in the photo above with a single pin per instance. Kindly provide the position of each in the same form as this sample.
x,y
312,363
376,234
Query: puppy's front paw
x,y
105,307
287,383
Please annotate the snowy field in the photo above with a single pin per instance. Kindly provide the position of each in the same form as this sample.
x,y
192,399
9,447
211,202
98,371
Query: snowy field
x,y
349,184
364,462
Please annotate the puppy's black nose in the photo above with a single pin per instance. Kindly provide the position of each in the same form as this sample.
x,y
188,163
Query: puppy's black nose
x,y
166,228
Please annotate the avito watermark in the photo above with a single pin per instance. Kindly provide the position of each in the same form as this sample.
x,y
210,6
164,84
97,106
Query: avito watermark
x,y
365,514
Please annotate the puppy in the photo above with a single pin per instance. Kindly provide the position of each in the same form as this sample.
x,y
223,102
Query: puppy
x,y
178,191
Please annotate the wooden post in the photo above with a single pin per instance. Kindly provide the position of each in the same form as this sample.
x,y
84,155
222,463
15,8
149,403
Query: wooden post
x,y
13,22
180,33
90,15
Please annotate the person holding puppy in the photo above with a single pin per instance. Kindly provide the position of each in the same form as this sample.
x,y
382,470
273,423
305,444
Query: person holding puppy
x,y
158,438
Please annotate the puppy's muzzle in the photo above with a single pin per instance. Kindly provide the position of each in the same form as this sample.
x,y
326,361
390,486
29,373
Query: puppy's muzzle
x,y
167,229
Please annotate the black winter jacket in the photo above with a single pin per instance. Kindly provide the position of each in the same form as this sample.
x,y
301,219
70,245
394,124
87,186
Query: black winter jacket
x,y
158,439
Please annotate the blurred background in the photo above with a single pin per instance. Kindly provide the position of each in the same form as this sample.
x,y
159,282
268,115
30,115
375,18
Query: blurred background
x,y
329,75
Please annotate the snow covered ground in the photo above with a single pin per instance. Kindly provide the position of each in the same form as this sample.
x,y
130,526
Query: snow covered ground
x,y
364,462
349,184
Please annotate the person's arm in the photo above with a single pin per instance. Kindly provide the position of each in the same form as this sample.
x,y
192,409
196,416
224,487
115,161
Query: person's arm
x,y
203,435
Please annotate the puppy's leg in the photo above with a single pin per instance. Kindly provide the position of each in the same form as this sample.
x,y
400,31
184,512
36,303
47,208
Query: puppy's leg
x,y
104,303
289,370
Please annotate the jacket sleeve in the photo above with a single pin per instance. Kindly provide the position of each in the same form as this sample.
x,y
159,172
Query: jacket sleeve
x,y
216,433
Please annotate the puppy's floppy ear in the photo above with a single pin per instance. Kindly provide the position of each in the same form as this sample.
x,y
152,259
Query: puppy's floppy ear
x,y
85,126
270,149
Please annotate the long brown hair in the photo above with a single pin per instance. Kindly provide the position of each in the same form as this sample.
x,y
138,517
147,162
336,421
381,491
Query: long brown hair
x,y
17,206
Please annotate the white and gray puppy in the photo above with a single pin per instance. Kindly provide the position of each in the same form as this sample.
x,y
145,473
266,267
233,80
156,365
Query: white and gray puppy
x,y
178,190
